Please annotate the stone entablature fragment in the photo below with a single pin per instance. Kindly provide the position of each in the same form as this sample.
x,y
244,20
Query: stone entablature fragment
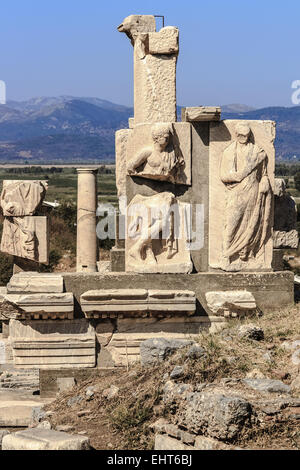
x,y
201,113
231,303
136,302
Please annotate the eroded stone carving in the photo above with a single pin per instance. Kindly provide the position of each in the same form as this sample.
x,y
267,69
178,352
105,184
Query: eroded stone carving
x,y
231,303
19,198
24,234
285,234
156,239
247,221
162,159
155,58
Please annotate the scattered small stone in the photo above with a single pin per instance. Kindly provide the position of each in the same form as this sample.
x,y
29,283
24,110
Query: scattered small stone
x,y
251,331
295,385
64,428
44,425
158,349
200,387
267,385
177,372
166,377
37,414
89,393
83,413
74,400
296,357
82,433
255,374
110,392
291,345
268,357
196,352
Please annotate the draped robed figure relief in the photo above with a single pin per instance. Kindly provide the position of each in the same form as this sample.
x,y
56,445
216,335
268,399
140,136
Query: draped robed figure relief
x,y
243,171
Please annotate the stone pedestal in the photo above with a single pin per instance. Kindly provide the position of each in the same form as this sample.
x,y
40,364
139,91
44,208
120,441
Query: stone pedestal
x,y
86,220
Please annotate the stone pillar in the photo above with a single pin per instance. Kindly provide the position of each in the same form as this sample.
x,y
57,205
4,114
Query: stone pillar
x,y
86,220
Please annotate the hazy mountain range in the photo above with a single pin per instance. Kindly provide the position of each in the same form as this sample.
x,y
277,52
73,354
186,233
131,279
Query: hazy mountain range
x,y
66,129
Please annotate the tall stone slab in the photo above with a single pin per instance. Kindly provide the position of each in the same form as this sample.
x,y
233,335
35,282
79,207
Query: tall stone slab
x,y
155,58
242,161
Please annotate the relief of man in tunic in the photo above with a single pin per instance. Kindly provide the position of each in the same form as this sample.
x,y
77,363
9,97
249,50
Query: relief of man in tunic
x,y
249,200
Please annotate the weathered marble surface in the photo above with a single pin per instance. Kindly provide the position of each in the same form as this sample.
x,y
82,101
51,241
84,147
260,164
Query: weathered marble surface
x,y
241,195
285,233
53,344
231,303
160,152
86,246
36,306
201,113
25,234
33,282
134,302
155,58
157,235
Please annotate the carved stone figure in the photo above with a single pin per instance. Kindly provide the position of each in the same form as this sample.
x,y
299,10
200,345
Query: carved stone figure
x,y
155,241
285,234
19,198
159,161
249,200
24,235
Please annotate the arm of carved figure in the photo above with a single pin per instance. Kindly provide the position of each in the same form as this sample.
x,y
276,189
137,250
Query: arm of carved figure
x,y
137,161
264,185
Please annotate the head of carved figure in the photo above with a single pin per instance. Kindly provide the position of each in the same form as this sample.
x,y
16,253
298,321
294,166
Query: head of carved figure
x,y
242,133
160,133
279,187
134,24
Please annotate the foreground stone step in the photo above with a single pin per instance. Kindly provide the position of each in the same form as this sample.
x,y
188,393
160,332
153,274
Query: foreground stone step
x,y
44,439
16,407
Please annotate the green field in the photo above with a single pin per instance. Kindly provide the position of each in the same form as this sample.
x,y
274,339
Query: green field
x,y
63,185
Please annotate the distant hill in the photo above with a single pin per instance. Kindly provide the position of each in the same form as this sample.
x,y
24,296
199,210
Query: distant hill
x,y
60,129
68,129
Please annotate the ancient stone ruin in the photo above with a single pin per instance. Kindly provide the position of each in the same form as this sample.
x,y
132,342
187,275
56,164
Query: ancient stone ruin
x,y
196,237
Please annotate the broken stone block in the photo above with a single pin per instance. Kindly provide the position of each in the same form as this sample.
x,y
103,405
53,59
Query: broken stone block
x,y
227,303
39,306
33,282
26,237
251,331
157,349
165,442
172,301
267,385
44,439
111,302
218,416
47,344
165,41
201,113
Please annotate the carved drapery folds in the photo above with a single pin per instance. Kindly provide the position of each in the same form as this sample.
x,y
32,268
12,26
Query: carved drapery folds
x,y
243,191
24,234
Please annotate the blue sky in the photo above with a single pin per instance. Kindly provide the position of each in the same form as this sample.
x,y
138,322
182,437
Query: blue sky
x,y
233,51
